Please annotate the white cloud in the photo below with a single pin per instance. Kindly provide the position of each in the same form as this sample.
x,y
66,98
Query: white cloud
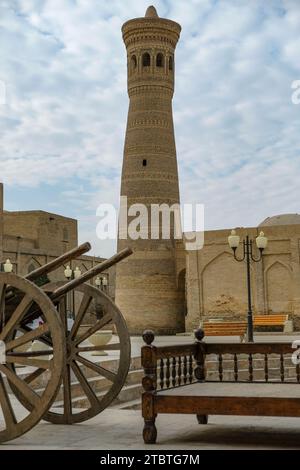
x,y
64,68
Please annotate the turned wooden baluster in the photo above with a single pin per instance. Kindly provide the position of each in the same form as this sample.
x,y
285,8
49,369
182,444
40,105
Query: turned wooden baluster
x,y
266,368
282,367
161,373
149,363
190,368
200,356
236,370
185,370
173,371
168,373
200,367
220,359
250,360
179,371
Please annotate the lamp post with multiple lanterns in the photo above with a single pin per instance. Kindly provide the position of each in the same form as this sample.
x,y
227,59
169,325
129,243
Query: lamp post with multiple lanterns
x,y
70,274
101,283
261,243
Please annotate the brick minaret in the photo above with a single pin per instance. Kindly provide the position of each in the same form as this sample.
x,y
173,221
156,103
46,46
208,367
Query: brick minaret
x,y
146,285
1,223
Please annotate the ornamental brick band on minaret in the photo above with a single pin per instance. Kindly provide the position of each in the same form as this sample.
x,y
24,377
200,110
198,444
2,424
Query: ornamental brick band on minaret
x,y
146,287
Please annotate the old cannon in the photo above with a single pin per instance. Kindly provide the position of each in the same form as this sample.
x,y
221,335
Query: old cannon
x,y
32,379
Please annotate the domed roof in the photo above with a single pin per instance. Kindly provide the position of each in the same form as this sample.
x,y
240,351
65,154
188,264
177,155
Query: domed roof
x,y
281,219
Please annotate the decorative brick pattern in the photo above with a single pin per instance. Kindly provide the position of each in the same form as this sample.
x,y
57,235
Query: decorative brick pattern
x,y
146,284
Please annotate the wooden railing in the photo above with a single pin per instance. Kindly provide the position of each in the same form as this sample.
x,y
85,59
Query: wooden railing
x,y
171,366
278,354
168,366
175,371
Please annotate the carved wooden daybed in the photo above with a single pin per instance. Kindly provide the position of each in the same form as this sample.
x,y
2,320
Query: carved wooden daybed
x,y
176,380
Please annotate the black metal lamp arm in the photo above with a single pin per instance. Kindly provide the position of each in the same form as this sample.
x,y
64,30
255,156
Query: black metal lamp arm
x,y
256,260
244,253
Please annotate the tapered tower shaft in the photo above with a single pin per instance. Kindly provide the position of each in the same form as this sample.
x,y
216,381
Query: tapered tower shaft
x,y
146,285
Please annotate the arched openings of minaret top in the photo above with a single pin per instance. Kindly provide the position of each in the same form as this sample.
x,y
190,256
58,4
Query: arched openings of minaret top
x,y
151,60
133,62
159,60
146,59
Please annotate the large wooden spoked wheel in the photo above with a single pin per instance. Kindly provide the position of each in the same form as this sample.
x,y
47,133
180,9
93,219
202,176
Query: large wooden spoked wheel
x,y
90,382
21,369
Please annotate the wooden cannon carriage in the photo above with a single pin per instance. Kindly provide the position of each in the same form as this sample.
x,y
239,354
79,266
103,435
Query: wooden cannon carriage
x,y
30,380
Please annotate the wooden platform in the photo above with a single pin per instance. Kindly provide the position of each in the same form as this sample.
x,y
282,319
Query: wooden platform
x,y
248,399
213,389
175,382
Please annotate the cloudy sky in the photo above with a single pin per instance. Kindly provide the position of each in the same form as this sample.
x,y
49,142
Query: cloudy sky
x,y
62,123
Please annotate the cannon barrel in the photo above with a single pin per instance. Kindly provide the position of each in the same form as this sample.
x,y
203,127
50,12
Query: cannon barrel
x,y
34,313
58,262
88,275
54,264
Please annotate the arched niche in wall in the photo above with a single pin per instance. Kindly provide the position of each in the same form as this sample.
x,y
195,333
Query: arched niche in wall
x,y
32,264
223,287
278,284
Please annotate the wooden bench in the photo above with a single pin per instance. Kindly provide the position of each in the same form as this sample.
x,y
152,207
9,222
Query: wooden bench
x,y
278,320
225,328
175,381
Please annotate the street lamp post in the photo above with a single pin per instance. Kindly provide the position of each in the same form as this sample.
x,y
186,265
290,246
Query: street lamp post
x,y
98,282
69,274
105,283
102,283
76,275
261,243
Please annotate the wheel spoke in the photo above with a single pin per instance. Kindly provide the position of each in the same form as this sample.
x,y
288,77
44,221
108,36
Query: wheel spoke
x,y
103,347
34,375
26,394
84,305
85,385
42,352
29,361
95,367
97,326
2,306
67,394
45,339
2,292
21,309
7,409
62,309
27,337
32,398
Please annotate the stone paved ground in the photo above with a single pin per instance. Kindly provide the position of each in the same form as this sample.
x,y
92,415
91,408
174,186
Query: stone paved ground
x,y
122,429
116,429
